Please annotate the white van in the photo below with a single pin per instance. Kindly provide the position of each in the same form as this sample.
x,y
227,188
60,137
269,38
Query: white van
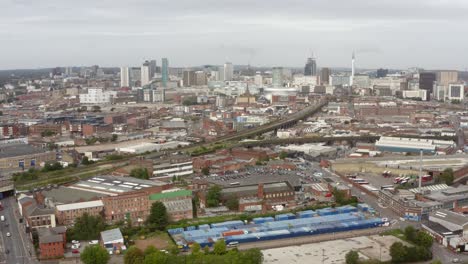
x,y
2,218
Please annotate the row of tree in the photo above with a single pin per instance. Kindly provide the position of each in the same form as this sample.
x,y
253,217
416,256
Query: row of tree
x,y
401,253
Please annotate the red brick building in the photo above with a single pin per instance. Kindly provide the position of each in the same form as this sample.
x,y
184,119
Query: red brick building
x,y
52,242
95,129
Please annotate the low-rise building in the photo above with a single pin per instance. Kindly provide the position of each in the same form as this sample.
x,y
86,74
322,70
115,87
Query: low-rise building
x,y
52,242
67,213
112,240
23,156
178,203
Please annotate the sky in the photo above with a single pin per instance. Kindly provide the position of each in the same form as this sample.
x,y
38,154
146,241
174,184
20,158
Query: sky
x,y
397,34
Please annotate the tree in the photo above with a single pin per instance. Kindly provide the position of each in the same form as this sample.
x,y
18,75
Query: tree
x,y
133,255
158,218
398,252
205,170
87,227
410,233
156,258
219,247
253,256
283,155
206,249
86,161
233,204
47,133
140,173
447,176
94,255
436,262
196,248
352,257
150,250
114,137
339,196
423,239
96,108
213,196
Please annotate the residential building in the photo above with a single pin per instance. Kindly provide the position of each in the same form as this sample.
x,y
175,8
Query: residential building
x,y
228,71
170,169
164,72
446,77
124,77
145,73
456,91
189,78
325,76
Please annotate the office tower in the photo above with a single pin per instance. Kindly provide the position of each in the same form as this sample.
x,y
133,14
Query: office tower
x,y
426,82
447,77
124,77
277,77
351,79
310,68
325,76
152,68
220,76
189,78
382,73
456,91
68,71
200,78
135,76
164,72
228,71
258,80
145,73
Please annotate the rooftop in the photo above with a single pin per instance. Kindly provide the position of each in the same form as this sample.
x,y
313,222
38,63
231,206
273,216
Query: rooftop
x,y
170,195
450,217
51,235
66,195
18,149
179,205
81,205
111,235
113,185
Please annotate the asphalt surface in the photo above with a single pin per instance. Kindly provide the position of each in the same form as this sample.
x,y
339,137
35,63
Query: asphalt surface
x,y
18,244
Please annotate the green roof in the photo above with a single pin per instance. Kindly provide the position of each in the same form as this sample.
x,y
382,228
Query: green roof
x,y
168,195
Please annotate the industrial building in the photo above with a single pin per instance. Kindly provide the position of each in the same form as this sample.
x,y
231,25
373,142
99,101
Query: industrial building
x,y
23,156
449,229
305,223
413,145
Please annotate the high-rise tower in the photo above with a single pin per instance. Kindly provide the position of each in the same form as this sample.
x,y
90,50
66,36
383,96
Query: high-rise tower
x,y
124,77
351,80
310,68
164,71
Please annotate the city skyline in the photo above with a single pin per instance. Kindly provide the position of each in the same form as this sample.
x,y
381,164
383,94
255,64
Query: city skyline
x,y
54,33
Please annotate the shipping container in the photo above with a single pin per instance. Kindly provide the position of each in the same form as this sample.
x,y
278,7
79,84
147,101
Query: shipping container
x,y
261,220
233,233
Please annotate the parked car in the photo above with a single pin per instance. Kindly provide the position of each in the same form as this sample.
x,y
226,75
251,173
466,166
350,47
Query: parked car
x,y
93,242
8,234
75,246
75,251
75,242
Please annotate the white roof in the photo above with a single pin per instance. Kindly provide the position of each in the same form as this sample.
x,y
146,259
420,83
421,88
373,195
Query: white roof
x,y
74,206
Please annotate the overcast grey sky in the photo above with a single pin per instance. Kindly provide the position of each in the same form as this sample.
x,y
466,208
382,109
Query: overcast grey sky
x,y
384,33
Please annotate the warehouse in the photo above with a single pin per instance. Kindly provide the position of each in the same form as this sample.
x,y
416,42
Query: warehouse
x,y
413,145
327,220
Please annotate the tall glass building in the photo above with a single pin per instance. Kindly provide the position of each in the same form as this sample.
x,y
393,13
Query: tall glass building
x,y
164,72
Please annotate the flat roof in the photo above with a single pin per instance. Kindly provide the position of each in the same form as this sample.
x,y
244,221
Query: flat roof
x,y
170,195
18,149
112,185
179,205
66,195
111,235
74,206
448,216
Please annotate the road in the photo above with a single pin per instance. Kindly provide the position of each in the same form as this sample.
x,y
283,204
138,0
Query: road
x,y
18,245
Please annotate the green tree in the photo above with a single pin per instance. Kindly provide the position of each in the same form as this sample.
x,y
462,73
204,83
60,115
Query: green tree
x,y
140,173
47,133
206,249
150,250
436,262
233,204
205,171
352,257
213,196
398,252
133,255
423,239
86,161
174,250
96,108
283,155
196,248
158,218
87,227
157,258
94,255
219,247
114,137
252,256
410,233
447,176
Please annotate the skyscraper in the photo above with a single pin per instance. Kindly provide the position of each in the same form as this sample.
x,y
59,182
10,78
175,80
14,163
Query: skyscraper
x,y
164,71
277,77
189,78
135,76
152,68
124,77
145,73
325,76
228,71
351,79
447,77
310,68
426,82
